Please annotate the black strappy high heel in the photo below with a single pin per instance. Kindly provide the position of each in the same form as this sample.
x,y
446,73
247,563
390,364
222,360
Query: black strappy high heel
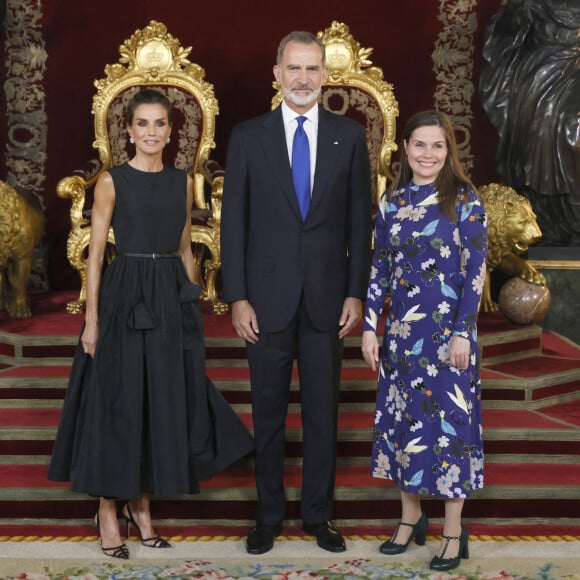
x,y
154,542
440,563
121,551
419,533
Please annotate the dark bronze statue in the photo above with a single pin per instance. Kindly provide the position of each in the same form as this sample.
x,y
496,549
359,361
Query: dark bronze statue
x,y
530,88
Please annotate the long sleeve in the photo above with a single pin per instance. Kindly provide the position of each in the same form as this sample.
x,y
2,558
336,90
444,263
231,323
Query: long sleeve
x,y
234,221
380,270
472,230
359,222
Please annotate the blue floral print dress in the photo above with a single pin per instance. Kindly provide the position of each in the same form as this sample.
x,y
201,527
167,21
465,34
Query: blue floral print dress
x,y
428,432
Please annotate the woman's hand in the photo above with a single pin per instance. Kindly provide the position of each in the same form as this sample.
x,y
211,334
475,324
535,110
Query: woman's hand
x,y
370,348
459,348
89,337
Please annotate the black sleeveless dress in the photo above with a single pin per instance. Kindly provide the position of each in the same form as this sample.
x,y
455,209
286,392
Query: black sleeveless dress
x,y
141,416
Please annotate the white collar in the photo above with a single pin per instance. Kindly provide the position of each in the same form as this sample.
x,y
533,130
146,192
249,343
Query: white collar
x,y
288,115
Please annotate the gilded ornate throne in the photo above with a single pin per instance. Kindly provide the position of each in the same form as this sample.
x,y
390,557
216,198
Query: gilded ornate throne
x,y
357,89
154,58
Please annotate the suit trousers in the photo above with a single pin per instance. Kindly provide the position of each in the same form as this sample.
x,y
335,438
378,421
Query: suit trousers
x,y
319,357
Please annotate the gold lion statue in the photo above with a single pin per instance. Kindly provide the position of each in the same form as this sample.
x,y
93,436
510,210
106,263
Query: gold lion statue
x,y
512,228
21,226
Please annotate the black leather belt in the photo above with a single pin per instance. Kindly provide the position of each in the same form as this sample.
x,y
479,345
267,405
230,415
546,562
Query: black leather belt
x,y
153,256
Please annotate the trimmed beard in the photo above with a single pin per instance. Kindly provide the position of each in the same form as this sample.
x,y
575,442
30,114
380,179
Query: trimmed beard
x,y
301,101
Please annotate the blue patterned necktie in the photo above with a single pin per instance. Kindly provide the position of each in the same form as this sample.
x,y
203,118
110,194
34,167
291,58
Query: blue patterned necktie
x,y
301,167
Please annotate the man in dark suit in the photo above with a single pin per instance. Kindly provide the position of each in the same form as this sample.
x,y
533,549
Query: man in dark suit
x,y
296,272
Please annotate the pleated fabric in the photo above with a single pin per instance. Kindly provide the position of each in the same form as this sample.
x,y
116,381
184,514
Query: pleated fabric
x,y
142,416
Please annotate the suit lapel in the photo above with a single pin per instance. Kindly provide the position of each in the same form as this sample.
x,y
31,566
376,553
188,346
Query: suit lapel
x,y
328,148
276,155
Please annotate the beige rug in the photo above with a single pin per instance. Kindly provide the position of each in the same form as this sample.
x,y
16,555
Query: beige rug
x,y
291,559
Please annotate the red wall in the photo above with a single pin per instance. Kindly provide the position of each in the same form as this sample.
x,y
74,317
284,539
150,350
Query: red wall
x,y
236,43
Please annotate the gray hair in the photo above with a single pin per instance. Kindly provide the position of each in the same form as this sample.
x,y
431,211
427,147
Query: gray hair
x,y
303,37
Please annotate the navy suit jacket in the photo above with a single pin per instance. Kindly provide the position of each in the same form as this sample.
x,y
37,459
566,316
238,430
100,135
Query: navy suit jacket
x,y
269,255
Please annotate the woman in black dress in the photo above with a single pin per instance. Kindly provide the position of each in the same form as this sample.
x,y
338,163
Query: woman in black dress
x,y
140,417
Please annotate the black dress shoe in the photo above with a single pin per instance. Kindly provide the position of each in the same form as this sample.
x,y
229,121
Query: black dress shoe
x,y
261,539
443,564
418,533
327,536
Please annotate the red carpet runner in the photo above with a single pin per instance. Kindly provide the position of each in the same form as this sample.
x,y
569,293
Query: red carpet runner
x,y
531,428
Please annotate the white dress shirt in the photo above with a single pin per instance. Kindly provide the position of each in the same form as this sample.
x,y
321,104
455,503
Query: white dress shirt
x,y
310,127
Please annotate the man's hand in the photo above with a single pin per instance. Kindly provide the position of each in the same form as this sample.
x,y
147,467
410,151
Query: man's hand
x,y
245,321
351,314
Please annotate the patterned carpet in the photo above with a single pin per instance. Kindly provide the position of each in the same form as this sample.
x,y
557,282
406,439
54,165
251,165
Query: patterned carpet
x,y
290,559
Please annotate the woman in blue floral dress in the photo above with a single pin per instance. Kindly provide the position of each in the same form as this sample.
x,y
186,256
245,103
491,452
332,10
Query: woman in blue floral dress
x,y
430,257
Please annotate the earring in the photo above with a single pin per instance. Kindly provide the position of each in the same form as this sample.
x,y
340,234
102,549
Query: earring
x,y
168,139
131,140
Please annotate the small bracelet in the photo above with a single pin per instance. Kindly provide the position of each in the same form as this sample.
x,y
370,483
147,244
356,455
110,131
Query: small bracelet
x,y
464,334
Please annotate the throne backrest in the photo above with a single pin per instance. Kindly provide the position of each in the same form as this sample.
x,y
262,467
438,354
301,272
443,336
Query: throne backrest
x,y
188,121
153,58
356,89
